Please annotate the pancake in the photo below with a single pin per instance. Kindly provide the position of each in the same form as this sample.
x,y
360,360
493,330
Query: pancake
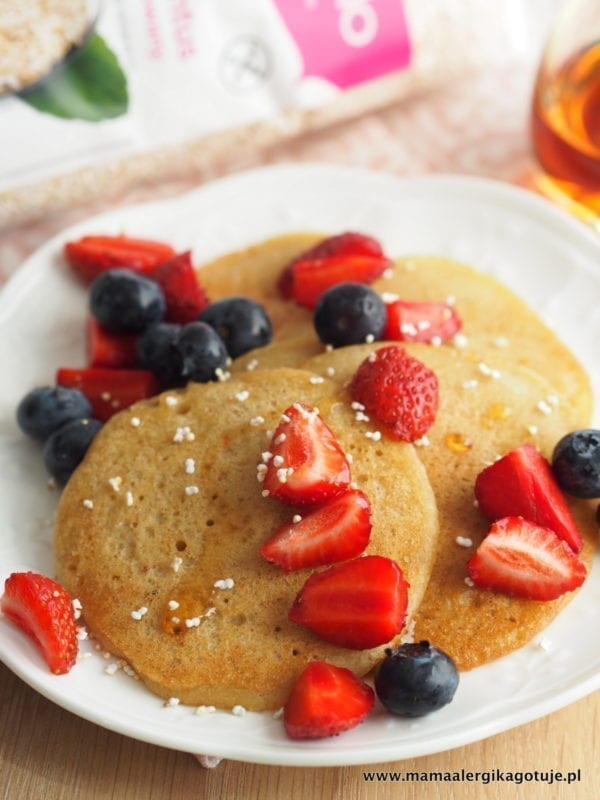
x,y
474,425
160,544
492,313
286,352
488,309
253,273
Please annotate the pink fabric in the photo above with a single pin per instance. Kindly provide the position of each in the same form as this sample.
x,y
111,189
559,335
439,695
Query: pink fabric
x,y
477,127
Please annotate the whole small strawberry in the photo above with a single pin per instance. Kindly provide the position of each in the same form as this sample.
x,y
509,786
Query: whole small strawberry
x,y
44,611
399,390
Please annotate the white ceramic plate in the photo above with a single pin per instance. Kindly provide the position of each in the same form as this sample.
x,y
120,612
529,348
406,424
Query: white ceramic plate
x,y
547,258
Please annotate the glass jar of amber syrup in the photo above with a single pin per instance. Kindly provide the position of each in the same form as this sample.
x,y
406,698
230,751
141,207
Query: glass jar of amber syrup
x,y
566,111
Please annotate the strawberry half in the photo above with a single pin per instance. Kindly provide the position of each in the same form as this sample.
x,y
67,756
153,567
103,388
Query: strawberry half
x,y
109,390
44,611
310,278
522,559
421,322
325,701
338,530
522,484
308,464
344,244
358,604
183,293
106,349
399,390
92,255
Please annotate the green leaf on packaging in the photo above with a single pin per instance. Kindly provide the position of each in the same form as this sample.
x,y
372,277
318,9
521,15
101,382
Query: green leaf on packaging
x,y
91,87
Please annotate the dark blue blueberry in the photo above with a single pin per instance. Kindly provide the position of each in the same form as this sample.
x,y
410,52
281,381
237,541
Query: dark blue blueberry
x,y
415,679
349,313
241,323
576,463
157,352
47,408
67,446
201,351
124,302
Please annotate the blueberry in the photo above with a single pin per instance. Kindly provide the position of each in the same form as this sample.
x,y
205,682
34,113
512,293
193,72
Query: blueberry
x,y
67,446
47,408
201,351
156,351
415,679
576,463
241,323
124,302
349,313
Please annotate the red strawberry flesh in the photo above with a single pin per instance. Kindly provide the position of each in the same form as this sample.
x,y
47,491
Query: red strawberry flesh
x,y
421,322
357,604
44,611
522,484
325,701
184,296
343,244
308,465
92,255
522,559
107,349
335,531
399,390
311,278
109,390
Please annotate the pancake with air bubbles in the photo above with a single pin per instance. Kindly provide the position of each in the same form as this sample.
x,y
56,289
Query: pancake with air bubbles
x,y
481,416
540,394
175,526
491,313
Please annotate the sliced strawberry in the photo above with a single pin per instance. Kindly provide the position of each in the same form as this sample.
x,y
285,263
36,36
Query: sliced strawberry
x,y
183,293
356,604
325,701
92,255
106,349
44,611
335,531
109,390
311,278
344,244
522,559
308,464
421,322
399,390
522,484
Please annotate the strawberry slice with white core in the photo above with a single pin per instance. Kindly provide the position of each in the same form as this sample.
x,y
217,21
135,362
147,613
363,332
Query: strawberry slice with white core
x,y
357,604
522,559
307,463
325,701
44,611
522,484
421,322
335,531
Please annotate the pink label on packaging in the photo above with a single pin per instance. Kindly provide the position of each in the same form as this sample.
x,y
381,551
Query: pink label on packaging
x,y
348,41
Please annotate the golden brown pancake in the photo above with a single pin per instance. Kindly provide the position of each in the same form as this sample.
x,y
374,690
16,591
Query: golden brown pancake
x,y
148,542
491,313
253,273
502,335
480,418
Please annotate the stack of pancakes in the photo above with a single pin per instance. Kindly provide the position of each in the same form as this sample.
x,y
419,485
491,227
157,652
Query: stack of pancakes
x,y
177,507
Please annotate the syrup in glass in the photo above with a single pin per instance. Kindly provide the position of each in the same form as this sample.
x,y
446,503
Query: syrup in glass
x,y
566,127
